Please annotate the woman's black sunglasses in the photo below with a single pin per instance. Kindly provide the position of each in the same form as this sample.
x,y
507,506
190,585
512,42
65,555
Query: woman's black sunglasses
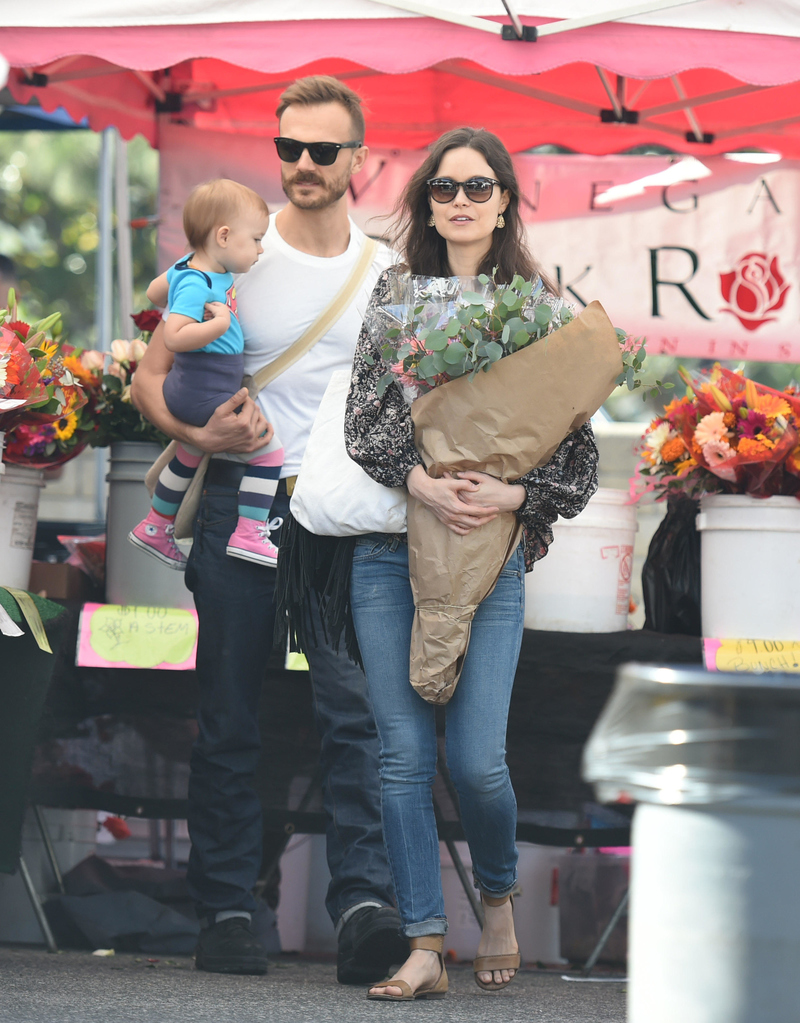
x,y
322,153
476,189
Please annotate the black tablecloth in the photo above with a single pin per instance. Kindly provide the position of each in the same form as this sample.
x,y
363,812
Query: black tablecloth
x,y
119,739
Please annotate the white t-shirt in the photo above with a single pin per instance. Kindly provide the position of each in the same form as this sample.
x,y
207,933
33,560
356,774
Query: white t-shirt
x,y
278,300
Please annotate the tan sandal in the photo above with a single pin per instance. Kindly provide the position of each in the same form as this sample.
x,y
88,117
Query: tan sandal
x,y
431,943
488,964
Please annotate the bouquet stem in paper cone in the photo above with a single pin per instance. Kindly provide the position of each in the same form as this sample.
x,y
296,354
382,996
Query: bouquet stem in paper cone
x,y
450,576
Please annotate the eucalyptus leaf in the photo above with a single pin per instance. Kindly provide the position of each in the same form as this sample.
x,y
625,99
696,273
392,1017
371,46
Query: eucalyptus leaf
x,y
454,353
543,314
427,366
473,298
453,327
383,383
494,351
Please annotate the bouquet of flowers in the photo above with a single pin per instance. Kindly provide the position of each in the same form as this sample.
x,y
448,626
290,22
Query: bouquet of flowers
x,y
438,337
104,415
727,435
448,327
40,395
110,415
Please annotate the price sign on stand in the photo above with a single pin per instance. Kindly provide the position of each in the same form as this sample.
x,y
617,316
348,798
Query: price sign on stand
x,y
752,655
120,636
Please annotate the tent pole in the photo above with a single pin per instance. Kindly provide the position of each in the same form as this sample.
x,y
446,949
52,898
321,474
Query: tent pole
x,y
104,296
618,14
124,258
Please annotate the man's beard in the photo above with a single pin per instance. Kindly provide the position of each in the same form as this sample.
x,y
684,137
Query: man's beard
x,y
329,193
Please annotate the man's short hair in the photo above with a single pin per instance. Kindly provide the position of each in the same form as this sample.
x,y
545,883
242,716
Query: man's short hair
x,y
317,89
213,204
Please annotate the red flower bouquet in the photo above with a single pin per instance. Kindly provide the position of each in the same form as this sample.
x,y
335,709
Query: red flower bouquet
x,y
40,396
728,435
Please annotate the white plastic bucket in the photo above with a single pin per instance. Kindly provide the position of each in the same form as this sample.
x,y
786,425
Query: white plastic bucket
x,y
19,505
715,915
133,577
584,583
750,567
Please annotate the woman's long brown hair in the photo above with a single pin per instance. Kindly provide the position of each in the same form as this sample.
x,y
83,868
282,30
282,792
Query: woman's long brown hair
x,y
424,249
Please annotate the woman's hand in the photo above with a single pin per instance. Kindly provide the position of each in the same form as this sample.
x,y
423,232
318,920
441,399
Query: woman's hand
x,y
490,492
445,498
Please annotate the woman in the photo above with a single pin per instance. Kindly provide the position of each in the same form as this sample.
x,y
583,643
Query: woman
x,y
460,216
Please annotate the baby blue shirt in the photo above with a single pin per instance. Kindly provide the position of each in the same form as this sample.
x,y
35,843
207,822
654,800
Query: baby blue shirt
x,y
190,289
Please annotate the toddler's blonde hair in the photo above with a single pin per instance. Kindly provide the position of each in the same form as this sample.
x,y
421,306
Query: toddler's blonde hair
x,y
215,203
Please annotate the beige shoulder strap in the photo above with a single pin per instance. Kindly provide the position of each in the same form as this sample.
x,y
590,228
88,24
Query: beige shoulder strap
x,y
323,323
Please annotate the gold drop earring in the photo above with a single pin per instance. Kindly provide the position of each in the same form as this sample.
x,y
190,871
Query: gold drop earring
x,y
501,220
431,221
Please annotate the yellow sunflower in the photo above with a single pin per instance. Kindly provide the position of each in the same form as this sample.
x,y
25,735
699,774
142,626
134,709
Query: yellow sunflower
x,y
66,426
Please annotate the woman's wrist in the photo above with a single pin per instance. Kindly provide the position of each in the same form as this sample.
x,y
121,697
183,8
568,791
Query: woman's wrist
x,y
518,495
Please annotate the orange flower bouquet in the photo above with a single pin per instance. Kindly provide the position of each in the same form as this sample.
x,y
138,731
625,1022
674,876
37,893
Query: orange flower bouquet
x,y
727,435
40,395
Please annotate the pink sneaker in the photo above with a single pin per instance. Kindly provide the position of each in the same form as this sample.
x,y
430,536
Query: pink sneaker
x,y
250,541
155,535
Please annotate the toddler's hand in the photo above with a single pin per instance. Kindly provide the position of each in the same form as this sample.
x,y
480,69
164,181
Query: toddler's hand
x,y
218,311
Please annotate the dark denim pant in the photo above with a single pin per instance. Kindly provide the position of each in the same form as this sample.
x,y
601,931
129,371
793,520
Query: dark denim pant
x,y
235,605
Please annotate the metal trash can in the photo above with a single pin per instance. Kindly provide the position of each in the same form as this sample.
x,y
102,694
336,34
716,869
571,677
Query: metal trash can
x,y
713,762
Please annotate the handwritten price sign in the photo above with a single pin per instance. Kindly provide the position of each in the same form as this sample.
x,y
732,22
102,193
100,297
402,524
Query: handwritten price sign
x,y
120,636
752,655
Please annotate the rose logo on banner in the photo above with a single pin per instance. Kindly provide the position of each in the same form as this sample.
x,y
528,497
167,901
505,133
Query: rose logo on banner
x,y
752,289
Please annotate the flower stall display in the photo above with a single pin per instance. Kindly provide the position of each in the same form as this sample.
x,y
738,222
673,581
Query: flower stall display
x,y
497,377
41,395
733,445
104,414
727,435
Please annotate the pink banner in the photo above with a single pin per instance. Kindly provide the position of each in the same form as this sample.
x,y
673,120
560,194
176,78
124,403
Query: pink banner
x,y
701,257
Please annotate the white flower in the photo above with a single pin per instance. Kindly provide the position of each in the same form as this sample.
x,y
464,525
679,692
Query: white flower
x,y
137,349
656,439
121,351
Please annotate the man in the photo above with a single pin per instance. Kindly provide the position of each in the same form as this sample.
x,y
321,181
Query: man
x,y
310,250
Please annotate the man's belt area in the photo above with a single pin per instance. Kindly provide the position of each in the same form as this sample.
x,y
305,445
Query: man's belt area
x,y
222,472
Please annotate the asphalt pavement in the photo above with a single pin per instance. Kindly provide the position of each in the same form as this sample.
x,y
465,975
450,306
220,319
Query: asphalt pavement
x,y
77,987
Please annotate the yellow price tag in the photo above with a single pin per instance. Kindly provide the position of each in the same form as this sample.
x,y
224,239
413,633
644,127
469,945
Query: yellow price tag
x,y
752,655
113,635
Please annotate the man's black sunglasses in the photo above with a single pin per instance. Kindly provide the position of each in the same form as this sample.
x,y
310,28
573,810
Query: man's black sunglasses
x,y
323,154
476,189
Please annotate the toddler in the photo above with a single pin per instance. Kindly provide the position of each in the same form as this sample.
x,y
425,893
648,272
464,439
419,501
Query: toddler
x,y
224,223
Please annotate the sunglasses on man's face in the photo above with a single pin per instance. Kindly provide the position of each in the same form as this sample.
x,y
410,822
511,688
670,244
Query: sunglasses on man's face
x,y
323,154
476,189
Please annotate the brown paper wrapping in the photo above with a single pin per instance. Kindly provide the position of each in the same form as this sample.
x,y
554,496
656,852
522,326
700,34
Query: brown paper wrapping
x,y
504,422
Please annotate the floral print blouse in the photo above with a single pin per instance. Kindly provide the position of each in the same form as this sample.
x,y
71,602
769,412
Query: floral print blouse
x,y
379,435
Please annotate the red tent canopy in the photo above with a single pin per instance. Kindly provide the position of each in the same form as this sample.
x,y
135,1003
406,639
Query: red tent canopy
x,y
599,89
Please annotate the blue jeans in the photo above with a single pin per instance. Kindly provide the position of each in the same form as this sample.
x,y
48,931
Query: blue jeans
x,y
235,605
476,718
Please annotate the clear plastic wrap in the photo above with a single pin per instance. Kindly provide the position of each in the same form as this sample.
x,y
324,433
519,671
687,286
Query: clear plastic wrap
x,y
685,736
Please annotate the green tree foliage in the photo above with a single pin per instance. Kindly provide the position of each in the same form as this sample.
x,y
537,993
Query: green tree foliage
x,y
48,222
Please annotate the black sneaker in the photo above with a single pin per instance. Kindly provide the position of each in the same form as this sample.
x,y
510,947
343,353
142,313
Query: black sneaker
x,y
229,947
370,943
